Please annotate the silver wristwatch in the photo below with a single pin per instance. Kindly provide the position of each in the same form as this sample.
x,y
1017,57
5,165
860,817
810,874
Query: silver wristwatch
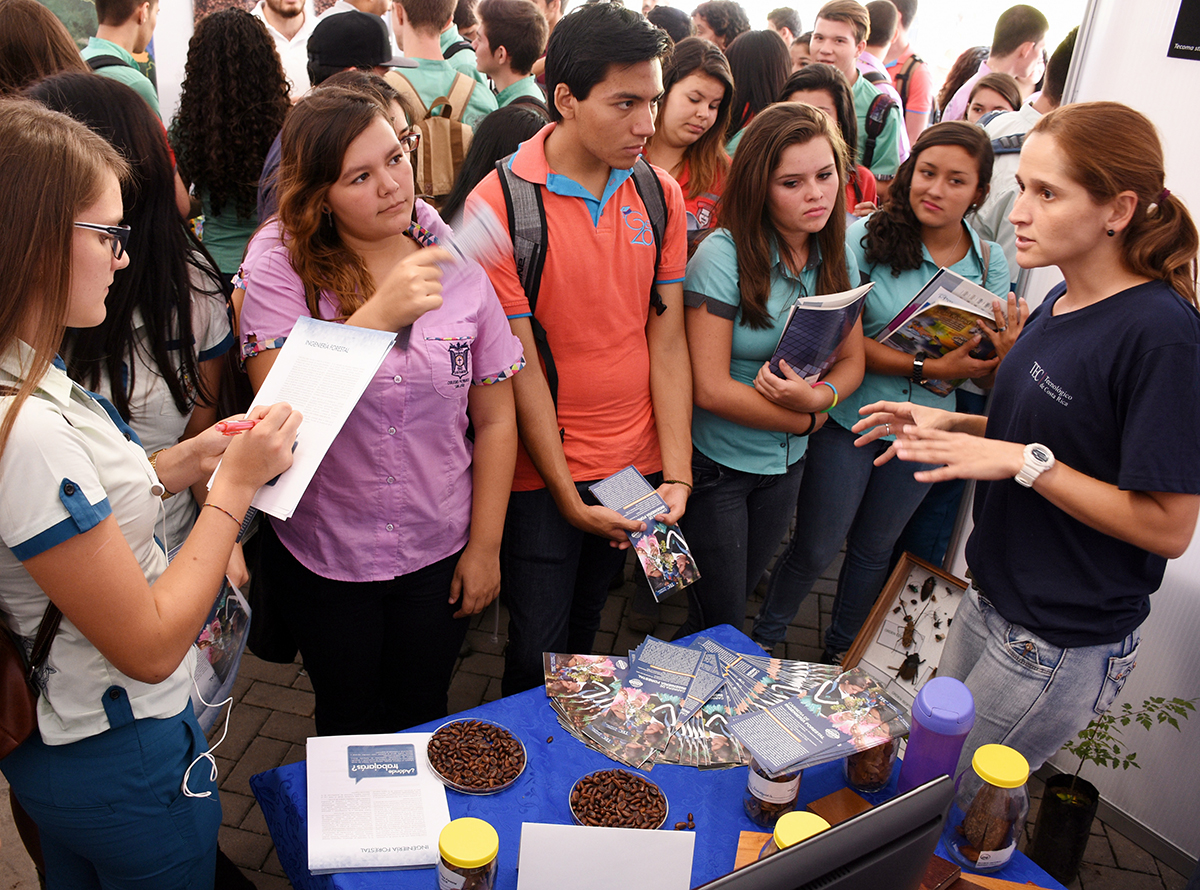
x,y
1038,459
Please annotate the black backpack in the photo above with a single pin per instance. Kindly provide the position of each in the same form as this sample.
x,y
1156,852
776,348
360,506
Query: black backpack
x,y
877,115
527,228
98,62
455,48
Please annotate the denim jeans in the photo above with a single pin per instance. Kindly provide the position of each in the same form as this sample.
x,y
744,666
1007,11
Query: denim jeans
x,y
554,583
843,497
734,523
379,653
1029,694
928,533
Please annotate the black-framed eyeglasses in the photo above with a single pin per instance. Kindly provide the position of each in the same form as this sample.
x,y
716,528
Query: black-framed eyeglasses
x,y
118,236
409,143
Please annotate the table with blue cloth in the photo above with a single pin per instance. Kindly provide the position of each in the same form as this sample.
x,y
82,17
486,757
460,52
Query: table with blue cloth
x,y
556,760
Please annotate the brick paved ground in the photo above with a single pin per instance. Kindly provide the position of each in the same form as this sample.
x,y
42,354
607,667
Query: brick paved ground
x,y
273,717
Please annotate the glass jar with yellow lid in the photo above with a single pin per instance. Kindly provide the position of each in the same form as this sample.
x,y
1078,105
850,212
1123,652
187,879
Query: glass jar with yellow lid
x,y
792,828
468,848
989,809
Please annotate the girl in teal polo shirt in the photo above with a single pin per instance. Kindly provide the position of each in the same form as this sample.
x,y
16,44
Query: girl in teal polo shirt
x,y
783,215
845,497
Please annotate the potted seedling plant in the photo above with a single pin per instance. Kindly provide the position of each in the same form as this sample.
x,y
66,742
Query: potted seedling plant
x,y
1064,820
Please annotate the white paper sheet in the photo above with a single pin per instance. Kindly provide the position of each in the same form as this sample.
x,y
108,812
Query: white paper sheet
x,y
554,857
321,371
373,803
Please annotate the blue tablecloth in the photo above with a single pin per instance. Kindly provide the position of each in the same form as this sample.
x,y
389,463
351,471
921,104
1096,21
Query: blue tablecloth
x,y
556,760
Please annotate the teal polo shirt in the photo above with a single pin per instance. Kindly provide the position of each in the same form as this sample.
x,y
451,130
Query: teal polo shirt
x,y
712,279
889,296
128,74
464,60
526,86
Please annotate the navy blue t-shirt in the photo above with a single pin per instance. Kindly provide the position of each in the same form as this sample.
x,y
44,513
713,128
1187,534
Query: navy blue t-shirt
x,y
1113,390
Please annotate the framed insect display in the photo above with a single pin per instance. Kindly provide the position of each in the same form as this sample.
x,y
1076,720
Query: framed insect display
x,y
902,640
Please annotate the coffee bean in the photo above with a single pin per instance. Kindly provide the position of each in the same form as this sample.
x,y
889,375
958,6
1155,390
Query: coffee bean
x,y
476,755
615,798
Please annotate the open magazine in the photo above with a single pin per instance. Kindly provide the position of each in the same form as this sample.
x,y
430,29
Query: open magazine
x,y
815,328
661,549
945,314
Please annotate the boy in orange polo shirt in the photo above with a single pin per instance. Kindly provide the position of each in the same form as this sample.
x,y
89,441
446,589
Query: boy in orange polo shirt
x,y
624,392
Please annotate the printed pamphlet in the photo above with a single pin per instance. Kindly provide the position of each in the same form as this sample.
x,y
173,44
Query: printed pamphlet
x,y
661,549
837,717
373,803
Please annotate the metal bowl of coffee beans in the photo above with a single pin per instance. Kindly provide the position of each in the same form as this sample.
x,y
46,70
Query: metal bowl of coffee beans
x,y
476,756
617,798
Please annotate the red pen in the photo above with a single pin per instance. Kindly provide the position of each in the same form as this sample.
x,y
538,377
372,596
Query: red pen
x,y
233,427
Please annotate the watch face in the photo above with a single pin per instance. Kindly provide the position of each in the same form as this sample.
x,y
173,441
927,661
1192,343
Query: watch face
x,y
1040,455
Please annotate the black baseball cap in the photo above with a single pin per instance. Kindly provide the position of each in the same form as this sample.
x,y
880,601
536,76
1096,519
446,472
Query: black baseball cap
x,y
353,40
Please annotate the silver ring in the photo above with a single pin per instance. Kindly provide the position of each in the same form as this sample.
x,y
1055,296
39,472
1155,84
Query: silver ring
x,y
889,428
1002,330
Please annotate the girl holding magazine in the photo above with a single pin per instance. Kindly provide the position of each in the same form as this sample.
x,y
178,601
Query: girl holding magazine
x,y
783,217
844,497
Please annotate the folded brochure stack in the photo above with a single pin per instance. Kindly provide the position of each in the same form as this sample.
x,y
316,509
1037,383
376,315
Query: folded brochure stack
x,y
705,705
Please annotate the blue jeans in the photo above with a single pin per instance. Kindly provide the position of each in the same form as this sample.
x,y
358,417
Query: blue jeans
x,y
928,533
734,523
110,810
843,497
554,582
1029,694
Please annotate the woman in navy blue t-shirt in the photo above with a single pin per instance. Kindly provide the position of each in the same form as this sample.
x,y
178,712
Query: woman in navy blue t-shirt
x,y
1088,469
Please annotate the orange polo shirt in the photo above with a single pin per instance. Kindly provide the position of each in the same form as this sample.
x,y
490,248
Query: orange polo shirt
x,y
593,302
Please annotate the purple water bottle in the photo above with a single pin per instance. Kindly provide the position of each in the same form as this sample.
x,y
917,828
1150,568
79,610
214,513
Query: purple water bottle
x,y
942,715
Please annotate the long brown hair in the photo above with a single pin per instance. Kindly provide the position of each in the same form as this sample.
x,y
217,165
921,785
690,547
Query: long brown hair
x,y
1160,241
706,158
893,236
744,210
317,134
54,167
33,44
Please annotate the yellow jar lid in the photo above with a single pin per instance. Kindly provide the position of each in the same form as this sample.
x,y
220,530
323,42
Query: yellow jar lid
x,y
796,826
468,842
1001,766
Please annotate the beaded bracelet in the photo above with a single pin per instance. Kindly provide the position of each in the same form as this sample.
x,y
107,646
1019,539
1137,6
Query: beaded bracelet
x,y
835,394
686,485
237,521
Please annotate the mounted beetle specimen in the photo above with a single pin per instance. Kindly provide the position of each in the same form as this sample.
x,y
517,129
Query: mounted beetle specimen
x,y
909,667
927,588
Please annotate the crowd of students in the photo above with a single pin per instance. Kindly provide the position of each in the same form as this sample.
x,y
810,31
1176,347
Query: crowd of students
x,y
631,324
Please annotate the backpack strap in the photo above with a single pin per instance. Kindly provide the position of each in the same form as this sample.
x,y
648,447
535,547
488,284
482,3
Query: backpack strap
x,y
455,48
454,103
986,250
901,77
875,77
405,88
1008,145
877,114
990,116
527,228
533,102
98,62
650,190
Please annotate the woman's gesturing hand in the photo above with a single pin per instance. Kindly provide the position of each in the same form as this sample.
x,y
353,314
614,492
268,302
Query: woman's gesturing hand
x,y
960,456
889,419
959,363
